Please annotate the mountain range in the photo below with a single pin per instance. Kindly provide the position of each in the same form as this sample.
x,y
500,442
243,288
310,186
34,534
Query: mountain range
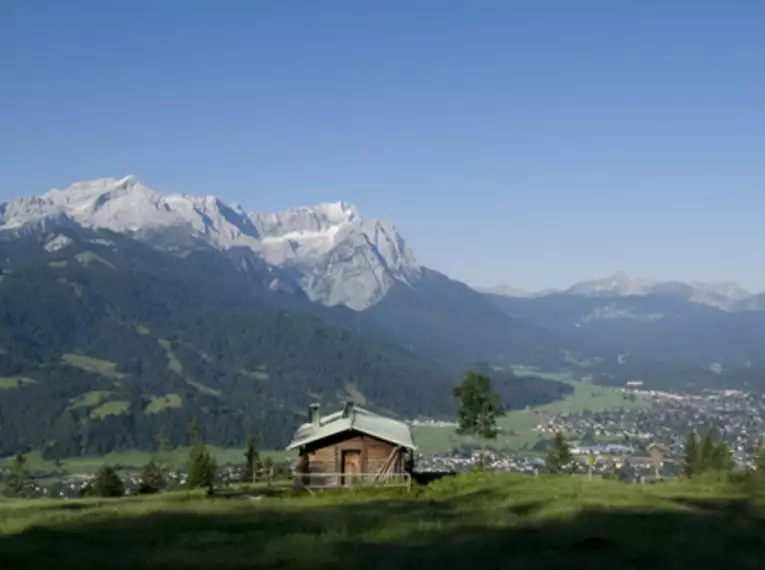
x,y
123,310
723,295
335,256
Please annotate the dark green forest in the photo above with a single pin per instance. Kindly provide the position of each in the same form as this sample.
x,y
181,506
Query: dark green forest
x,y
107,340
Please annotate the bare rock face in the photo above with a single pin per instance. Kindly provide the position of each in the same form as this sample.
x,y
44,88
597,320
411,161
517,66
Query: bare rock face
x,y
336,257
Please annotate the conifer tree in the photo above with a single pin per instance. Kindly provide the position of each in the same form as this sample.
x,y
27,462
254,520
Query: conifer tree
x,y
559,457
107,483
252,457
18,477
202,466
708,449
691,455
152,478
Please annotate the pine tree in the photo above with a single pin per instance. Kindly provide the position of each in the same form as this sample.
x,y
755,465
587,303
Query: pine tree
x,y
18,476
107,483
252,457
202,466
152,478
691,457
721,460
707,452
559,456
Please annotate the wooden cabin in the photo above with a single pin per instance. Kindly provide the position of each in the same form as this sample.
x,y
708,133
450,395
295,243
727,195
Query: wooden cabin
x,y
352,446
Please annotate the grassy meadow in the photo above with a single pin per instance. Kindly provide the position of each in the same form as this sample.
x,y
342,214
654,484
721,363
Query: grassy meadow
x,y
471,521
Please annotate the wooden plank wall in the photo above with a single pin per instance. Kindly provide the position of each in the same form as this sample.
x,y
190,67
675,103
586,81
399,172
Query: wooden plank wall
x,y
327,456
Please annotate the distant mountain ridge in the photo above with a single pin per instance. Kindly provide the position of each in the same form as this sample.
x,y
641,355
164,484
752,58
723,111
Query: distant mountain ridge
x,y
724,295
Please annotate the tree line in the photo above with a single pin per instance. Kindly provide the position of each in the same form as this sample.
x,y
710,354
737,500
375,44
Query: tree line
x,y
201,469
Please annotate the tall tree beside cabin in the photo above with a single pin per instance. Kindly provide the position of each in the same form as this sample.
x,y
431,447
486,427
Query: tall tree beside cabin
x,y
479,409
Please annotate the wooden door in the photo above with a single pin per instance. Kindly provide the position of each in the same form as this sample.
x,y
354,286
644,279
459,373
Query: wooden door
x,y
351,466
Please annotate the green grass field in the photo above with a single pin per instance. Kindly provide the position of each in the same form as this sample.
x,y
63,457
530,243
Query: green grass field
x,y
110,409
173,363
89,399
10,382
159,403
94,365
475,521
517,425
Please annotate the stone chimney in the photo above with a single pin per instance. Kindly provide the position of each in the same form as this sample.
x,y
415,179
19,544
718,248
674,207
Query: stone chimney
x,y
348,408
314,414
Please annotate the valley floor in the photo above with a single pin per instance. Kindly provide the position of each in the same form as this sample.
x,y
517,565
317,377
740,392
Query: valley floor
x,y
516,427
472,521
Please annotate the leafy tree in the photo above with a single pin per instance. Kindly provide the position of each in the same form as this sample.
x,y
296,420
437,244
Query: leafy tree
x,y
202,466
691,458
152,478
252,457
107,483
479,408
18,477
559,457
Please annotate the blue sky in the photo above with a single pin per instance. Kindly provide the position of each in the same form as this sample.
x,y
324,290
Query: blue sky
x,y
529,143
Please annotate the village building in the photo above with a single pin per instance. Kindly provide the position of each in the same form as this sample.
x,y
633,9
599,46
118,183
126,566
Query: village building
x,y
351,447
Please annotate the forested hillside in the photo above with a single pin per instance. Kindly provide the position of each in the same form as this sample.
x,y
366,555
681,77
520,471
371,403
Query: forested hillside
x,y
104,340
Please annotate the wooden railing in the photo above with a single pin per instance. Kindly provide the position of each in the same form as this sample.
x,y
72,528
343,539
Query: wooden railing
x,y
351,480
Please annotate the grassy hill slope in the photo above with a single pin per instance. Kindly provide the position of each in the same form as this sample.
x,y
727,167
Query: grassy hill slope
x,y
474,521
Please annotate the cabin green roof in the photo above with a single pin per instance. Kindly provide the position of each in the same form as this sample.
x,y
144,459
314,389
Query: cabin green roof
x,y
355,419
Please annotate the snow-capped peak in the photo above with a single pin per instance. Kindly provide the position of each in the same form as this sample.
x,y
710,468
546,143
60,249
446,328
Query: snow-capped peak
x,y
338,212
342,258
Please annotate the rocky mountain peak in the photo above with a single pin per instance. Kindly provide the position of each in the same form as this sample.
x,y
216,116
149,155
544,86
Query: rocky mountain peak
x,y
336,256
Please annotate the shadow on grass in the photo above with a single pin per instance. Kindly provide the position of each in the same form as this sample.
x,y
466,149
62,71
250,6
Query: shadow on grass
x,y
421,534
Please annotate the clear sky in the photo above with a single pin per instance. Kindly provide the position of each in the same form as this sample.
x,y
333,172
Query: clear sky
x,y
534,143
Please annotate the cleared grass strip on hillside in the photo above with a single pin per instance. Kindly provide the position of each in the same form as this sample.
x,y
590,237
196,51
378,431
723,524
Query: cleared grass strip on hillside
x,y
90,364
